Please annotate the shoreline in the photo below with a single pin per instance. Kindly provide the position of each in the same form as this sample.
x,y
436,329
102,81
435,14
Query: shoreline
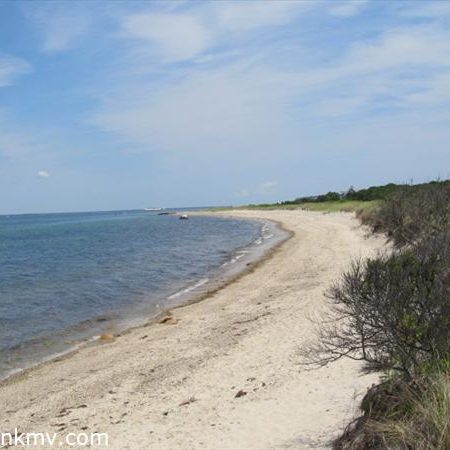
x,y
189,294
251,265
242,337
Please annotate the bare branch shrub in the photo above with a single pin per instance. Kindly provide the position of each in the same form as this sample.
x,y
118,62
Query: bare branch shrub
x,y
392,311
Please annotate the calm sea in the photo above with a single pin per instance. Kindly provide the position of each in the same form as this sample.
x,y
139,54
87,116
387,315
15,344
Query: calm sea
x,y
66,277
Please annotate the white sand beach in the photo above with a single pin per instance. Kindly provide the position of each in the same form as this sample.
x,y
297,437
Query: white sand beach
x,y
175,385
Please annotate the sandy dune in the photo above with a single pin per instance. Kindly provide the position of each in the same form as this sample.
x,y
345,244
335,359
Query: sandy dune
x,y
243,338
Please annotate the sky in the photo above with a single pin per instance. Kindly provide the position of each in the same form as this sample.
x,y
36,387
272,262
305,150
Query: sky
x,y
131,104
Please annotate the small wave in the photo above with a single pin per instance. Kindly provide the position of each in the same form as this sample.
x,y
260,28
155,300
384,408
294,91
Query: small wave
x,y
188,289
236,258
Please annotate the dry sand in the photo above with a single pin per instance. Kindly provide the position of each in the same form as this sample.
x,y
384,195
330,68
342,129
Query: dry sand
x,y
246,337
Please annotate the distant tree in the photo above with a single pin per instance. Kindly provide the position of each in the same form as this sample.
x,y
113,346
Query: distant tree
x,y
350,194
329,197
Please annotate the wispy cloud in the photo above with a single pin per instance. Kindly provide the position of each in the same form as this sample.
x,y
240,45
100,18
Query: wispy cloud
x,y
402,47
223,110
245,105
347,8
181,36
43,174
62,26
386,72
231,92
175,37
435,91
11,68
435,9
245,16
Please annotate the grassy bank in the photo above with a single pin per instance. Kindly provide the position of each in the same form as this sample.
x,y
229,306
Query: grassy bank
x,y
342,205
361,201
327,206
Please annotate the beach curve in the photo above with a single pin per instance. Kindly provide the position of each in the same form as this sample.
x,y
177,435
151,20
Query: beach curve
x,y
226,374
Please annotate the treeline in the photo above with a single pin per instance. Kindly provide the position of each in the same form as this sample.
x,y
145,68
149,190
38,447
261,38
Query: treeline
x,y
369,194
393,312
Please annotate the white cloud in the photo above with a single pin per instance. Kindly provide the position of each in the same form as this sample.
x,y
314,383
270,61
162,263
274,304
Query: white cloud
x,y
61,26
43,174
246,106
10,68
392,71
395,51
435,91
430,9
347,8
408,46
231,109
252,110
244,16
176,37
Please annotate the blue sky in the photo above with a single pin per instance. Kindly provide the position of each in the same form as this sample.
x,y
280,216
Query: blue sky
x,y
111,105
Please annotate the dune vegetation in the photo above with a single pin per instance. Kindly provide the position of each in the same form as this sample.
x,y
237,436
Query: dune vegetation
x,y
393,313
361,201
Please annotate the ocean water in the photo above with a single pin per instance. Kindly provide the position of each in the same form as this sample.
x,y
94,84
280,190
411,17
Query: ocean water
x,y
67,277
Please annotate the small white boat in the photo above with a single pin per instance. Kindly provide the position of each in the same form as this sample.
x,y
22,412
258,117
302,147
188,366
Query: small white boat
x,y
184,217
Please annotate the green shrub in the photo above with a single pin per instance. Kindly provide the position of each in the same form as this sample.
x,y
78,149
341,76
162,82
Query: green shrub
x,y
413,213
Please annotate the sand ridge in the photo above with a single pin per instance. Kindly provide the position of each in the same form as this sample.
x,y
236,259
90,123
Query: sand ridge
x,y
227,374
